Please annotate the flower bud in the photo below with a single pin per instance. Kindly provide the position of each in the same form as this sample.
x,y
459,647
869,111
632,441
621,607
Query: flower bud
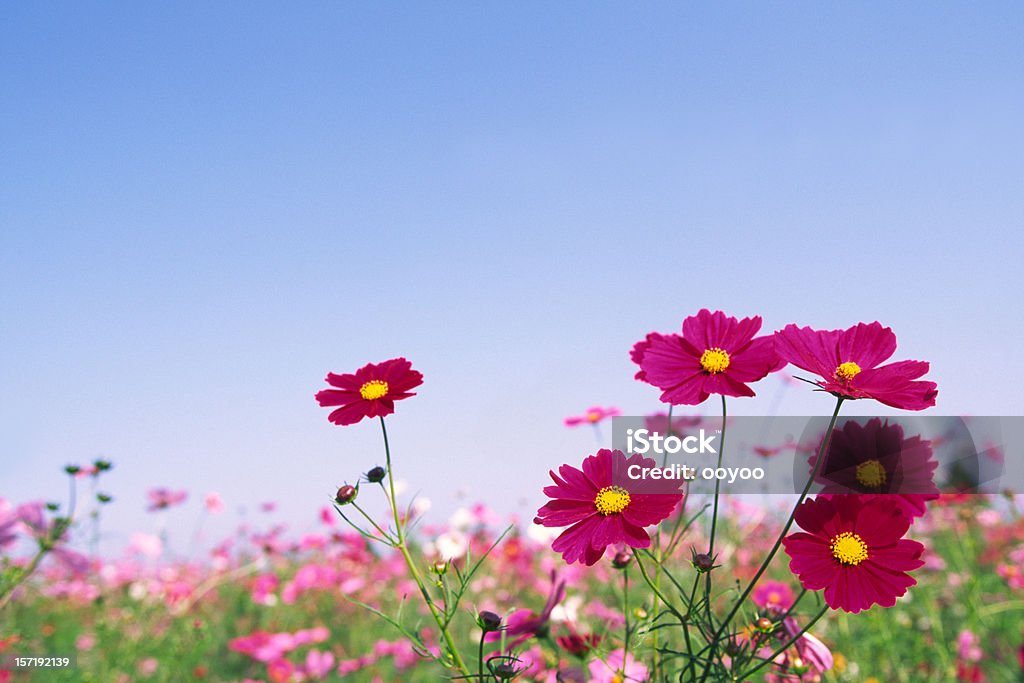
x,y
103,497
440,567
346,494
376,474
639,613
488,621
72,469
53,507
622,559
103,465
765,625
504,671
703,562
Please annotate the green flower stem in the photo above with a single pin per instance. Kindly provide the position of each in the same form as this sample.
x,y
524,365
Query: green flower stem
x,y
625,612
656,659
718,483
789,523
413,569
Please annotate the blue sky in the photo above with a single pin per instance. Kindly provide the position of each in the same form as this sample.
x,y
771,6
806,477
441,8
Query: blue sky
x,y
203,209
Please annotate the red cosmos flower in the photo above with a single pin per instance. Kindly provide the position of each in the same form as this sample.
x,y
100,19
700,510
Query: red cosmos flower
x,y
853,547
601,513
370,392
848,361
874,458
715,354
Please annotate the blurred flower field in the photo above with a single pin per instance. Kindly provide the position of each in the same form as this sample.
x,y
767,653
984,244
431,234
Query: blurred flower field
x,y
272,608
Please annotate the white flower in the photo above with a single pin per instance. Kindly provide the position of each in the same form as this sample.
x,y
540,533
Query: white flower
x,y
451,545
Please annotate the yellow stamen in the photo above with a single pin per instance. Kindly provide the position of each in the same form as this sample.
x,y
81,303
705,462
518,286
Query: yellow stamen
x,y
871,473
849,549
611,499
714,360
374,389
847,371
594,416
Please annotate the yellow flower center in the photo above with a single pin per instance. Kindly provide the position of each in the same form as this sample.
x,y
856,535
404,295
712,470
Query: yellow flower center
x,y
373,389
611,499
617,678
849,549
847,371
594,416
871,473
774,598
714,360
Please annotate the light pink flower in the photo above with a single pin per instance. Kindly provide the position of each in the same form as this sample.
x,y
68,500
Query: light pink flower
x,y
214,503
617,669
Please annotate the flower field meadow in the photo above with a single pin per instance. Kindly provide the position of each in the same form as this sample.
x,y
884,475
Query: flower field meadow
x,y
857,580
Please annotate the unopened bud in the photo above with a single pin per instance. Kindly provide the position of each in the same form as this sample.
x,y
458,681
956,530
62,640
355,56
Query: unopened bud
x,y
440,567
622,559
488,621
376,474
103,497
72,469
346,494
703,562
764,625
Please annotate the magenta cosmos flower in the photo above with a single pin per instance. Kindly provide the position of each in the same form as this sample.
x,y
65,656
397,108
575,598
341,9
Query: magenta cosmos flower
x,y
849,363
716,354
370,392
875,458
600,512
853,547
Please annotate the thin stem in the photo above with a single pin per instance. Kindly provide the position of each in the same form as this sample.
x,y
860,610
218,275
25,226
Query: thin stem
x,y
785,529
480,655
657,591
718,483
411,564
625,612
656,659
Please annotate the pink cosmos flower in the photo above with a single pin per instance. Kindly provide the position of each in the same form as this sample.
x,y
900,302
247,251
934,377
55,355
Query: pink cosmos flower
x,y
523,623
618,667
853,547
600,512
162,498
715,354
593,415
370,392
773,594
848,361
214,503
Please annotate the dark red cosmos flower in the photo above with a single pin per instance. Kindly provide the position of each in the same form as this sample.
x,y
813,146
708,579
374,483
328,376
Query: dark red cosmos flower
x,y
853,547
370,392
716,354
600,512
848,362
875,458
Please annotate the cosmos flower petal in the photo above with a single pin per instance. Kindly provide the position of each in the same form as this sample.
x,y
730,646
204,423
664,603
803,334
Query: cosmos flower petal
x,y
866,344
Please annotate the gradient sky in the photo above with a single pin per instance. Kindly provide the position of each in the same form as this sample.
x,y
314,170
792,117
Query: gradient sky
x,y
205,207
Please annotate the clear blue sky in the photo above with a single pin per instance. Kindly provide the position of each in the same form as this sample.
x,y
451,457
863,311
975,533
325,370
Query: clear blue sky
x,y
206,207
